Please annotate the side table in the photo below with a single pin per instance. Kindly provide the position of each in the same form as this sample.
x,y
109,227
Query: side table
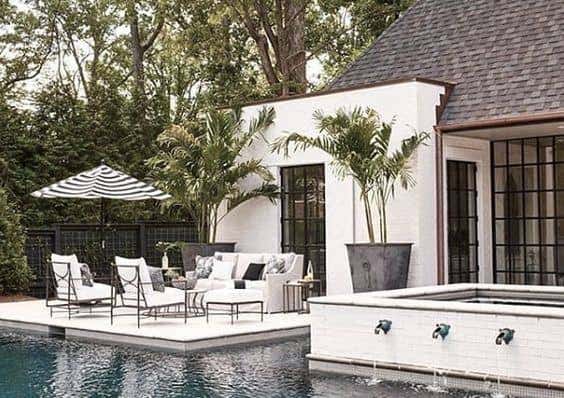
x,y
295,293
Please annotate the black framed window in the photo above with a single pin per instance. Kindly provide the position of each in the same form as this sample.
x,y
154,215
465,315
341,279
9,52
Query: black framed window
x,y
462,222
528,209
303,215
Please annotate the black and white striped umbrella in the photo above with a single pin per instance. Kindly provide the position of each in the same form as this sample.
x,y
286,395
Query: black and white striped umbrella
x,y
103,182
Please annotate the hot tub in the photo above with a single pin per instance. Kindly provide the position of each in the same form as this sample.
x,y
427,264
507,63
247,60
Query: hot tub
x,y
476,335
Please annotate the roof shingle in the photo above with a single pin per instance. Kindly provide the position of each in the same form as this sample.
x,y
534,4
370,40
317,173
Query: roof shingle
x,y
506,57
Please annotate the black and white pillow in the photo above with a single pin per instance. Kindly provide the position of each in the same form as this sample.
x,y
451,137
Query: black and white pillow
x,y
274,265
86,275
157,279
204,267
254,271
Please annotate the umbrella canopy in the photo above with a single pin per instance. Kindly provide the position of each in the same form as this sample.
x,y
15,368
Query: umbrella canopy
x,y
103,182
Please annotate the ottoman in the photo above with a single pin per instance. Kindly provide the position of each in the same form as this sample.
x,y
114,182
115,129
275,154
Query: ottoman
x,y
230,301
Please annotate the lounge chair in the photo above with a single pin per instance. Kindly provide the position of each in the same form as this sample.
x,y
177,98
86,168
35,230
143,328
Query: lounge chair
x,y
65,271
135,290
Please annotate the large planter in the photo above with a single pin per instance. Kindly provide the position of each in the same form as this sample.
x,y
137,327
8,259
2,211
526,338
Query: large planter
x,y
191,250
379,266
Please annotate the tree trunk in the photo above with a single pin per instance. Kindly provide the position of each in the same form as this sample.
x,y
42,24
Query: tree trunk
x,y
296,57
137,58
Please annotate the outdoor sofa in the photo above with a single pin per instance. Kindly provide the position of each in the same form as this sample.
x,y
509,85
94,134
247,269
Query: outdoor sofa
x,y
271,285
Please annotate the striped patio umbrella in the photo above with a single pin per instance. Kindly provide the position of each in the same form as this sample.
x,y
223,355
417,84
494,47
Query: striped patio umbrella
x,y
103,183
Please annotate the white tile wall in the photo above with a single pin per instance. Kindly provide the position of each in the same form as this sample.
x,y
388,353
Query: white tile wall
x,y
537,351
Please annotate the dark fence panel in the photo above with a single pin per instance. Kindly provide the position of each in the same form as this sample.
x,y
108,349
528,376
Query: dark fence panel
x,y
86,240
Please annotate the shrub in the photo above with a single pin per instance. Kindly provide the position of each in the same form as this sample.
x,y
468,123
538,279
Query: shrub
x,y
15,275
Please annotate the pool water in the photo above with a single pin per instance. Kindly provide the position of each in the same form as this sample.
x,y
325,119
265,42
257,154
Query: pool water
x,y
38,366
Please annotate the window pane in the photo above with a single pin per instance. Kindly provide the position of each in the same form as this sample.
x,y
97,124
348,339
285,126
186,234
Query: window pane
x,y
559,176
500,204
532,231
545,149
560,232
500,176
531,204
533,259
559,148
500,232
514,205
547,204
531,178
559,204
515,151
548,258
500,153
530,150
515,178
547,232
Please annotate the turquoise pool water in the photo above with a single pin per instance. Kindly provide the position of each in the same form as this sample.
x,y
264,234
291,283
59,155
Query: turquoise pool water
x,y
36,366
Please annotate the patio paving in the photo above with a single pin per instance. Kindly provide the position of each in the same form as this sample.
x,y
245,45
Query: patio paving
x,y
168,334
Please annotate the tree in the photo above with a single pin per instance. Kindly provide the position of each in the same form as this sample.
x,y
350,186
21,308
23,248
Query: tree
x,y
278,30
15,275
359,143
201,167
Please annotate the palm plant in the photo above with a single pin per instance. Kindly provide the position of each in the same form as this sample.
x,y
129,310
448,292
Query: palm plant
x,y
202,168
359,144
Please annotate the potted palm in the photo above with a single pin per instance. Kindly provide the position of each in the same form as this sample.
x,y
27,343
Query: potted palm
x,y
201,167
359,144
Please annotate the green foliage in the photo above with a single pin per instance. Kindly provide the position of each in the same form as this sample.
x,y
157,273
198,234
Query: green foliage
x,y
359,144
201,167
15,274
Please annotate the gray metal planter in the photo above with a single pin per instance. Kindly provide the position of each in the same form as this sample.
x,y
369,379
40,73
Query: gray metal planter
x,y
191,250
379,266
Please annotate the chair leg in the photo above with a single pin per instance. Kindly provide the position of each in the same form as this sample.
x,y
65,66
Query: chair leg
x,y
261,311
207,313
185,309
138,318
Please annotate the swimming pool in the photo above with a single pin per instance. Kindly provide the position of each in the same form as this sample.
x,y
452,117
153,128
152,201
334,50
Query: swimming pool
x,y
37,366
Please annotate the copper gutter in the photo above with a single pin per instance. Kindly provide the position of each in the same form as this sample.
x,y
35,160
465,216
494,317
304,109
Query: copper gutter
x,y
342,90
531,118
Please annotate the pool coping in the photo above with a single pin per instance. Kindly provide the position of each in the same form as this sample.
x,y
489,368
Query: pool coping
x,y
414,299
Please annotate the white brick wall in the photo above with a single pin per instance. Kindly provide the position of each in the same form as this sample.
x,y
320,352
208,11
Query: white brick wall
x,y
255,226
536,352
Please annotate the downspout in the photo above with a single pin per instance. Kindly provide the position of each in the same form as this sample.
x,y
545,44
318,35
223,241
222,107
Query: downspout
x,y
440,206
354,210
439,169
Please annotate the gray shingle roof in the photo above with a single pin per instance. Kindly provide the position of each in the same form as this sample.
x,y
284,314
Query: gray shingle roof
x,y
506,57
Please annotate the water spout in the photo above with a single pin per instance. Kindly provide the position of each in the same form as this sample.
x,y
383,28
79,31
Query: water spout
x,y
505,335
384,325
442,330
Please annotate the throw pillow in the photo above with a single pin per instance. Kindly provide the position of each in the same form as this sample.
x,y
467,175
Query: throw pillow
x,y
222,270
274,265
86,275
157,279
204,266
254,271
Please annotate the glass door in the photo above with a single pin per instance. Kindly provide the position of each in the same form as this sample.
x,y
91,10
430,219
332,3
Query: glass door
x,y
303,215
462,222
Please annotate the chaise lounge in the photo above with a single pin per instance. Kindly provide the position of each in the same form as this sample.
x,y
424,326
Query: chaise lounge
x,y
71,289
134,288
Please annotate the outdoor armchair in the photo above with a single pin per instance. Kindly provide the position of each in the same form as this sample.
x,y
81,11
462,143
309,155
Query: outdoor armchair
x,y
134,289
70,291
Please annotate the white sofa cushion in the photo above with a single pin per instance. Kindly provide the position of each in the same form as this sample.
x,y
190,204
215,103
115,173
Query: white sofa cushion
x,y
243,261
222,270
234,295
213,284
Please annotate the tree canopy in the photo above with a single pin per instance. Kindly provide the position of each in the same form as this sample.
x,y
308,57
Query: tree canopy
x,y
85,80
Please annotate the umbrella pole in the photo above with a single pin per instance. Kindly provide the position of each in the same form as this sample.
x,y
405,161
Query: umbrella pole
x,y
103,230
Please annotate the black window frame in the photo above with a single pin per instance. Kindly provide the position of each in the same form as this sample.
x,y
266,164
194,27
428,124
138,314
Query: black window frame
x,y
289,221
462,190
508,273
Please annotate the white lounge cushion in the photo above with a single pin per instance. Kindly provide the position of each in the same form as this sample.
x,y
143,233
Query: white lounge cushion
x,y
61,267
243,261
222,270
227,256
228,296
97,291
213,284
